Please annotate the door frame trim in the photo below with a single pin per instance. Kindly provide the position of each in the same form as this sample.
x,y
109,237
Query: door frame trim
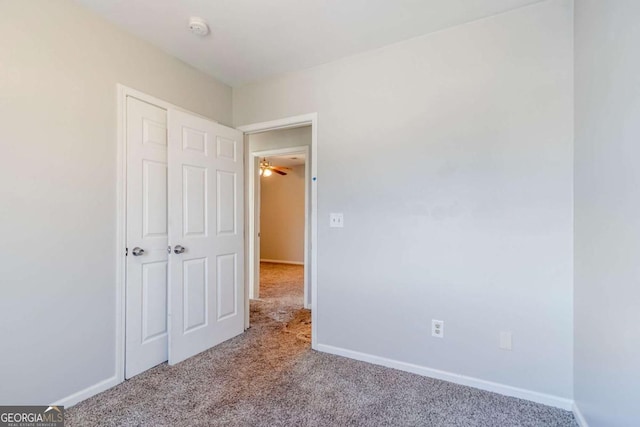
x,y
284,123
122,92
253,195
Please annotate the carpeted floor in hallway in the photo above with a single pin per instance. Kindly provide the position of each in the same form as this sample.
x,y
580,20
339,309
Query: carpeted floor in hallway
x,y
269,376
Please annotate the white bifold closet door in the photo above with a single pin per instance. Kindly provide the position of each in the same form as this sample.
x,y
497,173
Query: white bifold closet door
x,y
147,237
206,229
185,222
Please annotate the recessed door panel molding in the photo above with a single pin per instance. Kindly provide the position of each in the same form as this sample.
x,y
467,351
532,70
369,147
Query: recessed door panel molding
x,y
206,280
146,294
226,202
154,132
226,149
227,285
194,196
154,300
154,198
195,294
194,140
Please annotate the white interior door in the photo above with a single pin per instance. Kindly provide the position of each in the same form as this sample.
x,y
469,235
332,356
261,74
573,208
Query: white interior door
x,y
147,238
206,233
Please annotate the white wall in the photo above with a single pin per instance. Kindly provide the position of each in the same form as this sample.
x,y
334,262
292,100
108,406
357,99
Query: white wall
x,y
451,158
607,211
282,216
58,74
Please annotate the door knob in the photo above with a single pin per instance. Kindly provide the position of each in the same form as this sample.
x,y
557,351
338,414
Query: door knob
x,y
179,249
137,251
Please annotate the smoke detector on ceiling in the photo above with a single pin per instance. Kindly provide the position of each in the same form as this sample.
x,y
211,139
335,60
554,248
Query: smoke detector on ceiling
x,y
198,26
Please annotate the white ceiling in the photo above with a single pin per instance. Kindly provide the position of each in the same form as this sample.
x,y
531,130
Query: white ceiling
x,y
254,39
287,161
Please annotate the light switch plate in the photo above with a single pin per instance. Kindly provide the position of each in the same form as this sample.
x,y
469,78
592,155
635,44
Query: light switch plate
x,y
336,220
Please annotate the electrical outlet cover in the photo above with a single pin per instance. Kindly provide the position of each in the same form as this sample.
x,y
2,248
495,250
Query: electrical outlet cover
x,y
437,328
336,220
505,340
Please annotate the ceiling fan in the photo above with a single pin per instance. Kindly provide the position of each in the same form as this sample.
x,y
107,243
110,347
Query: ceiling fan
x,y
266,169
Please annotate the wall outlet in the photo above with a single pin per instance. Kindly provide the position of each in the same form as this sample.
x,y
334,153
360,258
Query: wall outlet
x,y
336,220
437,328
505,340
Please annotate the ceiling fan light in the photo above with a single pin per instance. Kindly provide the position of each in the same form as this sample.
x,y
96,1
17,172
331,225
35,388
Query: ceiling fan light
x,y
267,172
261,171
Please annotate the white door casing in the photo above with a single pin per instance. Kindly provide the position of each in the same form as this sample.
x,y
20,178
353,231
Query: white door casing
x,y
206,204
257,235
146,274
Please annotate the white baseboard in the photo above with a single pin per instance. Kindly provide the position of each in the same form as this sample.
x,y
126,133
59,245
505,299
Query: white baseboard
x,y
507,390
280,261
88,392
582,422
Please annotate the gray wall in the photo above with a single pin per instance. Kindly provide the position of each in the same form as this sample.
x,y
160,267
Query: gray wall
x,y
450,156
607,211
58,74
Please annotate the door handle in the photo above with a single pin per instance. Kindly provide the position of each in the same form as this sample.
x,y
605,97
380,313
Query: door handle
x,y
179,249
137,251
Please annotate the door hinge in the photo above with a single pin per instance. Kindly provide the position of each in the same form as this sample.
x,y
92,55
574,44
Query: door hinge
x,y
126,251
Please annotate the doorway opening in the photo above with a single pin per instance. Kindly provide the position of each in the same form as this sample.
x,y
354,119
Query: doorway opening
x,y
280,206
281,213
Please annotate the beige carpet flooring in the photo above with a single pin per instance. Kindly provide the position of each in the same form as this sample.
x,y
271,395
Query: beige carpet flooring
x,y
269,376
